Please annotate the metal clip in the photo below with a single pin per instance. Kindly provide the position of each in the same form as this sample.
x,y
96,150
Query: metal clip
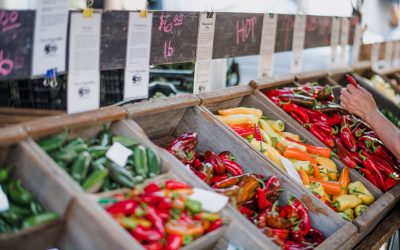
x,y
143,13
51,78
88,11
210,14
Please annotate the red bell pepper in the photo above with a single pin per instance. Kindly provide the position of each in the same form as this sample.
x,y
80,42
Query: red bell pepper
x,y
215,161
302,216
232,167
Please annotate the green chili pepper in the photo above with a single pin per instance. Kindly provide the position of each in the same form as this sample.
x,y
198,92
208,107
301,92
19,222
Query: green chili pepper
x,y
39,219
14,215
5,227
3,175
98,151
141,164
120,175
153,163
66,155
53,142
36,208
64,166
98,164
80,167
107,185
78,145
126,141
18,194
95,181
105,138
193,206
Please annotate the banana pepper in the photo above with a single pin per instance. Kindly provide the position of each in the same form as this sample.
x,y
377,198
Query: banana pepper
x,y
358,189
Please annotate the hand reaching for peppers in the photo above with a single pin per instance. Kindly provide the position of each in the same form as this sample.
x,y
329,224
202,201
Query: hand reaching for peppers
x,y
358,101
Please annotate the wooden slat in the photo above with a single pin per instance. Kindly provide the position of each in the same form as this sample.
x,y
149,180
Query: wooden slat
x,y
275,81
9,135
225,94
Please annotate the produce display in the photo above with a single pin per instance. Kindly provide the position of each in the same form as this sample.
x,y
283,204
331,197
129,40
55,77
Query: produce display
x,y
383,87
254,195
24,210
353,140
317,171
161,215
86,162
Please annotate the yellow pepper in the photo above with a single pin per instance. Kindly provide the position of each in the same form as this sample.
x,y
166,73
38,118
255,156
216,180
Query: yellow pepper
x,y
277,125
324,172
330,165
269,152
359,210
238,119
290,135
306,165
350,213
358,189
346,201
265,137
317,188
240,111
344,216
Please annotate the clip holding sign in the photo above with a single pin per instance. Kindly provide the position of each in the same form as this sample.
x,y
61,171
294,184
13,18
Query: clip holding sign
x,y
88,11
51,78
210,14
143,13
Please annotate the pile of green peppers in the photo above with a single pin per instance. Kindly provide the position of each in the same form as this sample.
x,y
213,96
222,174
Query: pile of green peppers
x,y
24,211
85,161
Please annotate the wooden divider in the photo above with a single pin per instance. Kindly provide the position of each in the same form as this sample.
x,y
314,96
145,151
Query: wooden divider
x,y
214,136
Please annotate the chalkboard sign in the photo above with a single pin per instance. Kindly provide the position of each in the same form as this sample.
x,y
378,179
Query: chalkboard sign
x,y
114,28
174,37
237,34
318,31
16,41
284,33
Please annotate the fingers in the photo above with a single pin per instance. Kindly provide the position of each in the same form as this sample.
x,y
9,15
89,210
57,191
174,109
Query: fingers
x,y
353,89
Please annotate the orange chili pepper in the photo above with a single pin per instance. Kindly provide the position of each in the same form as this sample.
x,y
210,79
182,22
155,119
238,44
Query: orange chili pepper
x,y
183,229
304,176
297,154
330,187
344,181
317,174
280,147
320,151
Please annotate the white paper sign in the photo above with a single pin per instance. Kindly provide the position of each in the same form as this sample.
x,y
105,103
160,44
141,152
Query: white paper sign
x,y
205,41
50,37
356,44
388,54
396,53
267,46
210,201
375,55
298,42
290,169
335,35
137,69
118,153
344,38
83,88
4,204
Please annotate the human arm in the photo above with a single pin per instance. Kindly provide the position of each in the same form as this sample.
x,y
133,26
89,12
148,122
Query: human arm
x,y
359,101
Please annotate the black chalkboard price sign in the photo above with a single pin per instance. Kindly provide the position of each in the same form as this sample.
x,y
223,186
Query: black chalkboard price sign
x,y
16,40
237,34
284,33
318,31
174,37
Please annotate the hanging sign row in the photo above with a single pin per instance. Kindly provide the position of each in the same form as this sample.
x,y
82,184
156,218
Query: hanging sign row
x,y
29,45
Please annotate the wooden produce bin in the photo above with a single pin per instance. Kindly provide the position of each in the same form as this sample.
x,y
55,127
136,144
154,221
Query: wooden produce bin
x,y
184,116
384,201
89,225
44,186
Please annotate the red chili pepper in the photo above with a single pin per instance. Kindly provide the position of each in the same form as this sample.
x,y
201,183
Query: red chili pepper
x,y
165,216
344,155
277,92
288,212
151,188
173,184
297,118
173,242
384,166
232,167
185,142
369,163
141,233
371,134
125,207
303,216
316,115
324,138
261,195
156,245
244,132
257,133
272,186
282,234
201,175
351,80
346,136
227,155
324,128
334,120
151,199
276,100
215,161
197,163
215,225
291,245
246,211
293,108
368,174
154,218
390,182
356,157
218,178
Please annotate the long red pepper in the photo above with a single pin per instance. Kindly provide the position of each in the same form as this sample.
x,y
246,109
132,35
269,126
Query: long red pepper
x,y
291,107
215,161
126,207
303,216
215,225
261,194
351,80
257,133
278,92
185,142
174,242
173,184
324,128
232,167
244,132
344,155
389,183
154,218
227,155
218,178
368,174
142,233
297,118
156,245
369,163
326,139
346,136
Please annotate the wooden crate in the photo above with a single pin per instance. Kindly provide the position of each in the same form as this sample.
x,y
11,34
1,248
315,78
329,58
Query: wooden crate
x,y
42,236
383,203
86,218
214,136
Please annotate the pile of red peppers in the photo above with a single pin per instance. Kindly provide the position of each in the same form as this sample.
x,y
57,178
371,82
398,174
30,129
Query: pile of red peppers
x,y
354,142
162,216
254,195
